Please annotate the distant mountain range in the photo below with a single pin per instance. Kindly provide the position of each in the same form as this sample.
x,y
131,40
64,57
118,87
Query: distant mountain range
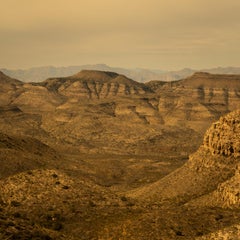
x,y
139,74
41,73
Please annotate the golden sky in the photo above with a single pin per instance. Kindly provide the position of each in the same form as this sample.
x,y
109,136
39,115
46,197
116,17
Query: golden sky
x,y
163,34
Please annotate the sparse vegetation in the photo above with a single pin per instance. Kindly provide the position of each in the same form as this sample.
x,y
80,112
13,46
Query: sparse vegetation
x,y
99,156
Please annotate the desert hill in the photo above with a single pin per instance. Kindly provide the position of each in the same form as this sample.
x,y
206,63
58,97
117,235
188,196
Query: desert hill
x,y
207,80
170,76
104,112
198,99
9,89
200,200
86,111
95,84
20,154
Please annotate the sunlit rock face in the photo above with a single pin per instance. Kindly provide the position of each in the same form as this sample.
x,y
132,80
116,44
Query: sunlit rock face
x,y
223,137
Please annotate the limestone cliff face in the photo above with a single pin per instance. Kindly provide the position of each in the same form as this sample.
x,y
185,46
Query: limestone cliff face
x,y
223,137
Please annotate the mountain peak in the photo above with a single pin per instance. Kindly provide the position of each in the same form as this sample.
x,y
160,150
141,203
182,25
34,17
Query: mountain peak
x,y
95,75
95,84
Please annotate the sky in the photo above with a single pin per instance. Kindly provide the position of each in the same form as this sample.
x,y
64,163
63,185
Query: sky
x,y
154,34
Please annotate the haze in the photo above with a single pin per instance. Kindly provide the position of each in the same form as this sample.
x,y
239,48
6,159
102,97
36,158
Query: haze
x,y
152,34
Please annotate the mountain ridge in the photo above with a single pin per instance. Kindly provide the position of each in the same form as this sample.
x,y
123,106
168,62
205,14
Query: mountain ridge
x,y
96,84
41,73
141,75
87,110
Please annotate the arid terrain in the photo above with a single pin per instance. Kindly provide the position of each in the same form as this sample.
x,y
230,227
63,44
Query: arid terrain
x,y
97,155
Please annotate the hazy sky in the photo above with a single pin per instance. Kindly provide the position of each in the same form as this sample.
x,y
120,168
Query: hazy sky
x,y
163,34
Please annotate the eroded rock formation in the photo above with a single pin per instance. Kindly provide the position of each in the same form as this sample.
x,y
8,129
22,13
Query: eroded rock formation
x,y
223,137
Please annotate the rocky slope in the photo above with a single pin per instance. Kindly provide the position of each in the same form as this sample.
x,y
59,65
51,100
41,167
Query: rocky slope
x,y
186,72
49,200
203,195
45,195
9,89
19,154
215,165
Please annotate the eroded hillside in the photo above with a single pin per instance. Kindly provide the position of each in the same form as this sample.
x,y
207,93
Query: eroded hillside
x,y
99,156
75,198
104,112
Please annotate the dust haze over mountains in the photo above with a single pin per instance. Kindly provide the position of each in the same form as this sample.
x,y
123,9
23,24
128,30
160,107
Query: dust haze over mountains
x,y
139,74
135,152
152,34
97,155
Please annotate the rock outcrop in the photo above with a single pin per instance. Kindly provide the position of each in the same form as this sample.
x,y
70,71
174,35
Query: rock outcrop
x,y
223,137
212,171
223,141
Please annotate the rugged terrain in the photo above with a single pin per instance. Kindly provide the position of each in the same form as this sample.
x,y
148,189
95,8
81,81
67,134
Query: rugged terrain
x,y
104,112
67,200
99,156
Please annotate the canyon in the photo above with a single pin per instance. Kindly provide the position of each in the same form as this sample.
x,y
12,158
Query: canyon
x,y
97,155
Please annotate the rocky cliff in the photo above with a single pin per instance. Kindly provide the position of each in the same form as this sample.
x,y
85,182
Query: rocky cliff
x,y
223,137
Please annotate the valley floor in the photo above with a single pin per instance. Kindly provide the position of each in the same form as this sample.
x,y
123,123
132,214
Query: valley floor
x,y
86,197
